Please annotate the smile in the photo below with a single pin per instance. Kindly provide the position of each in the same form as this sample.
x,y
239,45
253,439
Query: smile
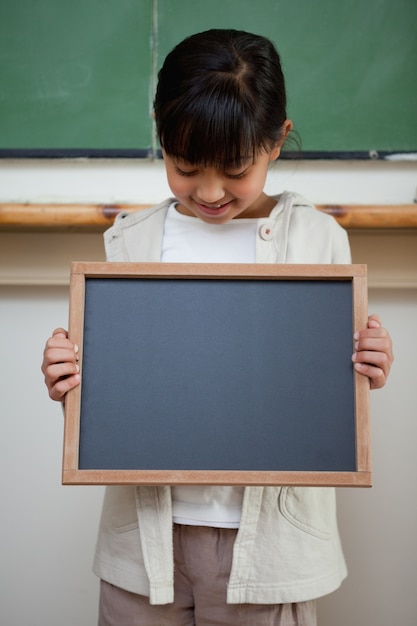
x,y
214,209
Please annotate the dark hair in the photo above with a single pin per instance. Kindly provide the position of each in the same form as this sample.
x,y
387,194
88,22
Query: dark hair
x,y
220,98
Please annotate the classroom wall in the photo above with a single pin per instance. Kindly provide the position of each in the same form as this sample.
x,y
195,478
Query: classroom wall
x,y
47,532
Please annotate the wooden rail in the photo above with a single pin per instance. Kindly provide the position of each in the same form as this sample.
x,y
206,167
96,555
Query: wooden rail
x,y
81,217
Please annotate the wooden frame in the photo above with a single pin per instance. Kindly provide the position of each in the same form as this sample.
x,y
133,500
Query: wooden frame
x,y
286,408
81,217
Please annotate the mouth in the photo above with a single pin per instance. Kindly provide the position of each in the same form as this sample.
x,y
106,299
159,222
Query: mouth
x,y
213,209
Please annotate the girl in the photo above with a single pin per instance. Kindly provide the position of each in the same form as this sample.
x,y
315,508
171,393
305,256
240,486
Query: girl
x,y
230,556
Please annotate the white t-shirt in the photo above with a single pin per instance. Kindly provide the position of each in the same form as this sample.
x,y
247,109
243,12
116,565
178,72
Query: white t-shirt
x,y
189,240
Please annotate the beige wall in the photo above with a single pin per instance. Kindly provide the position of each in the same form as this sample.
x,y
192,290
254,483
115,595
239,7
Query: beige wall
x,y
48,531
378,525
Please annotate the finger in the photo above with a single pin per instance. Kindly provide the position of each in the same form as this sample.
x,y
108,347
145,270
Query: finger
x,y
61,377
60,354
62,386
374,321
375,365
376,375
57,371
373,342
377,333
372,357
60,332
58,362
60,341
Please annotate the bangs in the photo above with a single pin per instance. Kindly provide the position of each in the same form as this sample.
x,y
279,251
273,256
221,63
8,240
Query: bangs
x,y
215,131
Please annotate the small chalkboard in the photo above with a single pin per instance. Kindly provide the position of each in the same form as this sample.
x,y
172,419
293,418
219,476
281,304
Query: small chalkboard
x,y
217,374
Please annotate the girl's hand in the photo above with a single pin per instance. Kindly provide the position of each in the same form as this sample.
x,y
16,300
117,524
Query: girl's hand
x,y
373,354
59,365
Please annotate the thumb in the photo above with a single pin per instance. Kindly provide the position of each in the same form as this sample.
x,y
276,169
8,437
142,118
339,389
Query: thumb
x,y
374,321
60,332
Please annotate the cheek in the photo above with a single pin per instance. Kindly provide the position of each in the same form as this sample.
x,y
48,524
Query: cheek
x,y
179,186
249,188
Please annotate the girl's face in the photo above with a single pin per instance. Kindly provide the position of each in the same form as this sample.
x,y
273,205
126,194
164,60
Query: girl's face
x,y
217,196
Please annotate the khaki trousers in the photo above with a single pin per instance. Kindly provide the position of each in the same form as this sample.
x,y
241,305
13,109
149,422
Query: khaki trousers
x,y
203,558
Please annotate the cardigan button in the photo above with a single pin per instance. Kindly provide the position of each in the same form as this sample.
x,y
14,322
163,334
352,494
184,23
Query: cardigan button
x,y
266,232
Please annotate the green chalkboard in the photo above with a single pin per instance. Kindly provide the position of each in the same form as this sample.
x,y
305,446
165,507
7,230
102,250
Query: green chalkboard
x,y
77,78
74,76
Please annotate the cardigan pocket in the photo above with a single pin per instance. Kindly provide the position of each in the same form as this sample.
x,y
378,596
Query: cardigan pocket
x,y
311,509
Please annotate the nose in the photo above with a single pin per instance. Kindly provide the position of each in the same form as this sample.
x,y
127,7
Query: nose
x,y
210,188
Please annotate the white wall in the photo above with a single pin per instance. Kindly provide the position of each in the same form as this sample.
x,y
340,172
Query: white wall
x,y
47,532
130,181
378,526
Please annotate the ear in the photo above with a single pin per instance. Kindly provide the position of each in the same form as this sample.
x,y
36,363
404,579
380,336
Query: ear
x,y
285,130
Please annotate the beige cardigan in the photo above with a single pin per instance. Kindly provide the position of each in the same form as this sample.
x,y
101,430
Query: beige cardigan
x,y
287,548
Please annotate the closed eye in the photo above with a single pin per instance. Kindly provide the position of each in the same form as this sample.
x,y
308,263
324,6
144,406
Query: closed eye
x,y
237,176
185,173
